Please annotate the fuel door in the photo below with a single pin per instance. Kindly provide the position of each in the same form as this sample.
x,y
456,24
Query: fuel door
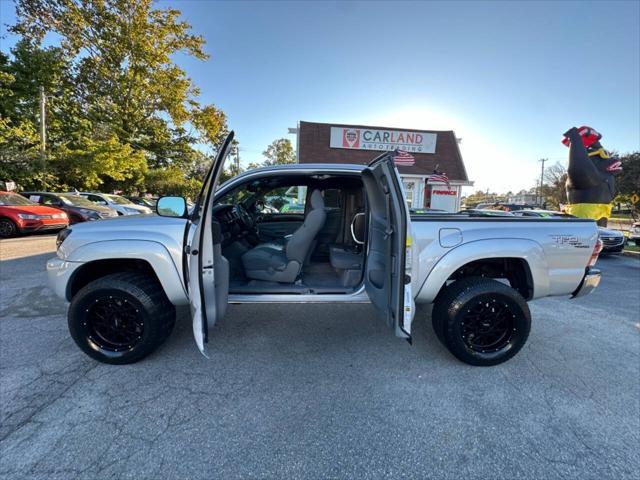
x,y
450,237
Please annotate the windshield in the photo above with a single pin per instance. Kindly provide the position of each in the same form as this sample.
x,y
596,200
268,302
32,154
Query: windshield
x,y
76,201
14,199
118,199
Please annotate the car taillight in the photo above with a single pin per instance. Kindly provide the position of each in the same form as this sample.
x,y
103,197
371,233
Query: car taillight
x,y
594,255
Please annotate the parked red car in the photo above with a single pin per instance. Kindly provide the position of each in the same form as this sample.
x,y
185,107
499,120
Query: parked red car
x,y
19,215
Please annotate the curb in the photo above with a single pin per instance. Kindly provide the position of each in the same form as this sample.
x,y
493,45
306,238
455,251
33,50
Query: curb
x,y
629,253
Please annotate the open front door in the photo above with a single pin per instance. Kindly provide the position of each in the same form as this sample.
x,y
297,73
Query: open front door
x,y
208,278
387,280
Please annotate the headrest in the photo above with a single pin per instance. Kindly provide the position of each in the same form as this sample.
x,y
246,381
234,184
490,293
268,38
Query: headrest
x,y
316,200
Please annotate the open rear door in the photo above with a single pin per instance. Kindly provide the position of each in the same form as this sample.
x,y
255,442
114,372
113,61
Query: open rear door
x,y
387,281
208,278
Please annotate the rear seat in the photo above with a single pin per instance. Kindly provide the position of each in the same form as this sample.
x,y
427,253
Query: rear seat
x,y
348,260
345,258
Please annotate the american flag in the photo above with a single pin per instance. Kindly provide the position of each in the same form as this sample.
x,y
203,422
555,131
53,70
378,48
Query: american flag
x,y
439,177
403,158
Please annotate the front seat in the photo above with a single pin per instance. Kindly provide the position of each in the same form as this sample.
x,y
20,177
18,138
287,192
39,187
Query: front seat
x,y
270,263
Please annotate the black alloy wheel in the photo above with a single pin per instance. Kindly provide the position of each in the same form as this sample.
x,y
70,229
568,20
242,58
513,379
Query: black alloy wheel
x,y
481,321
114,323
7,228
488,326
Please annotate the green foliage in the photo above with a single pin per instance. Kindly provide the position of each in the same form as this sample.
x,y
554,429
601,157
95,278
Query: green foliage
x,y
472,200
100,165
20,159
628,181
117,103
171,181
279,152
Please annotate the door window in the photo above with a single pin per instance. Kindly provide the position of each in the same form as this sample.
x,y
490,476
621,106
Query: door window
x,y
47,200
96,199
288,200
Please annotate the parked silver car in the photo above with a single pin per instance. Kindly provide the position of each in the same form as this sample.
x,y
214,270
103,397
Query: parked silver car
x,y
118,203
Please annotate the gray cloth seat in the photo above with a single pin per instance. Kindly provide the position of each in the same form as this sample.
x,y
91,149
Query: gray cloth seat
x,y
350,257
344,258
276,264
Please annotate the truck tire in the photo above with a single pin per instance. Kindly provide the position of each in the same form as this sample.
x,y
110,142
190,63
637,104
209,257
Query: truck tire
x,y
121,318
481,321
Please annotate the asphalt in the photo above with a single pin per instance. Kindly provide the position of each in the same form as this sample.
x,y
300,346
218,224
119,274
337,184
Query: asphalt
x,y
312,391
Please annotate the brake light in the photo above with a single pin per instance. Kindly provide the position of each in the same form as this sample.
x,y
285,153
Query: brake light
x,y
594,255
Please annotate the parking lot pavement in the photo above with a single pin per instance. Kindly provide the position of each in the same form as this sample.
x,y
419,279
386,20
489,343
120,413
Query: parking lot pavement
x,y
312,391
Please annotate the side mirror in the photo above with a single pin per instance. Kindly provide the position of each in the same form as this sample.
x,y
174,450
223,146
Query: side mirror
x,y
171,207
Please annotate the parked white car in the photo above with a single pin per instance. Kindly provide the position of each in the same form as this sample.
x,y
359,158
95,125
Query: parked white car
x,y
354,241
116,202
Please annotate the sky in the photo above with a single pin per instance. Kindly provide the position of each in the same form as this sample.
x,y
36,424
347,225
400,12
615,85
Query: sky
x,y
508,77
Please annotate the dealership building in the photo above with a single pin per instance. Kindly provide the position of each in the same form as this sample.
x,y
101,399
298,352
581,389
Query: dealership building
x,y
359,144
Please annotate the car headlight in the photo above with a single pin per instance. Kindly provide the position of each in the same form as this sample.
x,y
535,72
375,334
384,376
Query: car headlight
x,y
59,215
62,235
28,216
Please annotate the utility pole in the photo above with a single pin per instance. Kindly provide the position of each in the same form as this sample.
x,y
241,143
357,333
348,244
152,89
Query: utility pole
x,y
541,181
238,161
43,122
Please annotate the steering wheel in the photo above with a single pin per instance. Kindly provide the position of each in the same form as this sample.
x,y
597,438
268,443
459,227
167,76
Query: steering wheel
x,y
245,218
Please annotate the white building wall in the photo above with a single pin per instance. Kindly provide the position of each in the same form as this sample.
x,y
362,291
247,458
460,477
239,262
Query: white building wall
x,y
442,197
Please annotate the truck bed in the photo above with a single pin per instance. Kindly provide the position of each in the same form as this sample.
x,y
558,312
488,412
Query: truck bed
x,y
556,250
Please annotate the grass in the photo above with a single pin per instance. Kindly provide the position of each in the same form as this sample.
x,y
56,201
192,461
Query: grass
x,y
630,247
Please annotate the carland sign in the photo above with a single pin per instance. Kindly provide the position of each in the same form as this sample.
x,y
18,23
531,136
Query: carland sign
x,y
373,139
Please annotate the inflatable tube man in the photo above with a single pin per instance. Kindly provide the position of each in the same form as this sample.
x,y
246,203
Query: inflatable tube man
x,y
590,183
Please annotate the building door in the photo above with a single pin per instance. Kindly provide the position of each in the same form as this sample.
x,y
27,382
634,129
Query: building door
x,y
412,193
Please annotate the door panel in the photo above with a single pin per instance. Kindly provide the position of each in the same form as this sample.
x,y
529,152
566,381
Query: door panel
x,y
385,274
208,277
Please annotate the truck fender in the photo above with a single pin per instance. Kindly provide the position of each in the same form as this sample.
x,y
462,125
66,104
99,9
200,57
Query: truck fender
x,y
154,253
528,250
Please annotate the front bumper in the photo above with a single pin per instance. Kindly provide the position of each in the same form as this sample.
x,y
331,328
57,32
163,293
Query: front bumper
x,y
59,273
29,226
589,283
612,250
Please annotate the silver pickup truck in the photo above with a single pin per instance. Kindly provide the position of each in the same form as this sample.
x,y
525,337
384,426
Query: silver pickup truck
x,y
315,233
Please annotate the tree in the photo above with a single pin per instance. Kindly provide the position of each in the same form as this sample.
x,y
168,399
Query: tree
x,y
554,190
100,165
21,77
171,181
126,85
19,154
628,181
279,152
